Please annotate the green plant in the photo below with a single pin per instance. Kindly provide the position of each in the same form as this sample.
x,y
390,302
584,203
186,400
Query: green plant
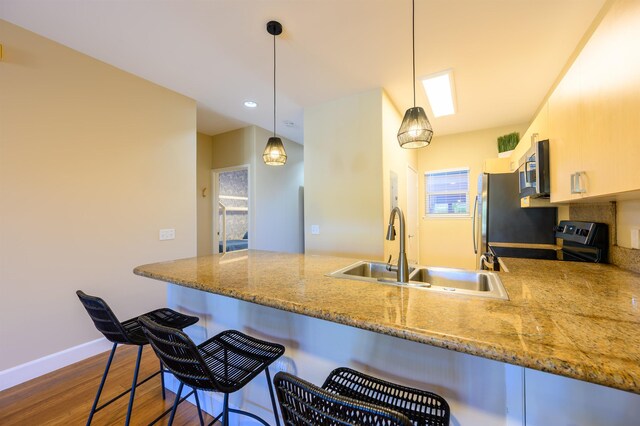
x,y
508,142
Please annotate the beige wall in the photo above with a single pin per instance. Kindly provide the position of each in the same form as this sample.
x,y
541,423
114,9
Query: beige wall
x,y
234,148
343,176
275,193
395,159
448,242
628,217
204,193
93,162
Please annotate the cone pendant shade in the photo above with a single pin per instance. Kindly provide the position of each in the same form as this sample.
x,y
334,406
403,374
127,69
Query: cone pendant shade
x,y
274,154
415,130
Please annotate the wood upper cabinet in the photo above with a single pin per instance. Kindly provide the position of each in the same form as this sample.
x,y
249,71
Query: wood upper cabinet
x,y
594,113
564,137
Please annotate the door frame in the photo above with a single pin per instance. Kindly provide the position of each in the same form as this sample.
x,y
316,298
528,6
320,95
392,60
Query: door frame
x,y
416,221
215,198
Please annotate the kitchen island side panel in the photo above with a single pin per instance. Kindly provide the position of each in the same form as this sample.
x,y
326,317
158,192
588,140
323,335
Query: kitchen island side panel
x,y
476,389
479,391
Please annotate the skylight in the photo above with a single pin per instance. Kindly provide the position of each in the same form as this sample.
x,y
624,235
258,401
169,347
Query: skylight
x,y
440,92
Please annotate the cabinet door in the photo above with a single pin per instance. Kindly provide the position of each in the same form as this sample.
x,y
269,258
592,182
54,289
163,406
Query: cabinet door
x,y
610,98
564,137
621,30
594,117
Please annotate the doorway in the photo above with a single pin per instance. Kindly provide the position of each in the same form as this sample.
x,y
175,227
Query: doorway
x,y
231,218
413,232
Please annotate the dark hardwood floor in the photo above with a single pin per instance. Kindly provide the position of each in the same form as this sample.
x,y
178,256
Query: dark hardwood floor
x,y
64,397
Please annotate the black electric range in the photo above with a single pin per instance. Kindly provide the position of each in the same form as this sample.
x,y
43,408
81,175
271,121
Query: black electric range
x,y
581,242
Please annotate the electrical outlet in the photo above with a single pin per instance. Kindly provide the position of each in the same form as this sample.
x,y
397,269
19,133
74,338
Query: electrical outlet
x,y
315,229
167,234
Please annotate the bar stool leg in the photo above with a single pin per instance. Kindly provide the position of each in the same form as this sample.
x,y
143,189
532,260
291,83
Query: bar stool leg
x,y
273,399
195,393
225,410
133,387
162,380
175,404
104,379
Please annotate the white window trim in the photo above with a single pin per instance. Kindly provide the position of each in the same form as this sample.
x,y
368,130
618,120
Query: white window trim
x,y
447,215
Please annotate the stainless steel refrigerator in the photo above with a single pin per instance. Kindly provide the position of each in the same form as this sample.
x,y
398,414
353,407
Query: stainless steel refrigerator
x,y
498,216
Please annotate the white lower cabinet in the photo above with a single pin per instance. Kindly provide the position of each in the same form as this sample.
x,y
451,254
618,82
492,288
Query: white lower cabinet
x,y
560,401
480,392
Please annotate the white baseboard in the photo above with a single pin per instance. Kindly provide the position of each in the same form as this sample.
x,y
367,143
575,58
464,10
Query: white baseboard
x,y
30,370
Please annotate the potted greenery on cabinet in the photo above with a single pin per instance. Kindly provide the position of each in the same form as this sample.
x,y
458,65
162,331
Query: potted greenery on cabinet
x,y
506,144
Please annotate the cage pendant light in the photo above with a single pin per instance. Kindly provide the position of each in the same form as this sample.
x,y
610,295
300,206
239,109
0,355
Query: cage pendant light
x,y
274,153
415,130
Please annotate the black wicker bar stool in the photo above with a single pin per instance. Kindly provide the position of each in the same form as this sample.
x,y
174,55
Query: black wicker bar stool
x,y
128,332
304,404
224,363
421,407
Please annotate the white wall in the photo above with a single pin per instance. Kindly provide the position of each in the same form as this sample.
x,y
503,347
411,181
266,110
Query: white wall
x,y
351,148
395,159
343,176
278,198
93,162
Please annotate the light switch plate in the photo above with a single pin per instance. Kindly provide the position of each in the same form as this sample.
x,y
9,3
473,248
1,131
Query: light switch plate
x,y
167,234
315,229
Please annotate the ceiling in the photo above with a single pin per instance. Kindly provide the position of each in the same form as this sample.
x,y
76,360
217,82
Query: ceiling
x,y
505,54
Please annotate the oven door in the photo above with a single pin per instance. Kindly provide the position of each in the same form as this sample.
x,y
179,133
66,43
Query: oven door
x,y
526,253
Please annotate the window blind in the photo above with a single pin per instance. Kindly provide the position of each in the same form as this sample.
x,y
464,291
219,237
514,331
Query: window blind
x,y
447,192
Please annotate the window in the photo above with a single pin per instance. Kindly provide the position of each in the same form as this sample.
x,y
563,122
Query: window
x,y
447,192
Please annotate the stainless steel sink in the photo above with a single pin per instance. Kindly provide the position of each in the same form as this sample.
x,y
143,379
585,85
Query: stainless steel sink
x,y
367,271
444,280
461,281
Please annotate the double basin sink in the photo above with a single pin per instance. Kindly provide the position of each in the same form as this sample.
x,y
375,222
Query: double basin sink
x,y
444,280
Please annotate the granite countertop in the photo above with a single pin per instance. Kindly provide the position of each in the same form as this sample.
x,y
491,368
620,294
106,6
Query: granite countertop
x,y
578,320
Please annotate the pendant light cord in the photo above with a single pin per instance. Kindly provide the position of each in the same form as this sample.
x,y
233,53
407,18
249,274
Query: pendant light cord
x,y
274,86
413,38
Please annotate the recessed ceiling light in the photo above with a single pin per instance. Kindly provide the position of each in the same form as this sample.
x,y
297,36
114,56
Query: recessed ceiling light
x,y
250,104
440,91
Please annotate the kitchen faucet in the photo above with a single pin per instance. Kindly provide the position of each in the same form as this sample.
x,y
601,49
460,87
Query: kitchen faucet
x,y
403,266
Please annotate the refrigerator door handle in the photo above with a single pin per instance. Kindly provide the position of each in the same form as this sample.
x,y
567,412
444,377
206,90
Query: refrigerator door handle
x,y
475,210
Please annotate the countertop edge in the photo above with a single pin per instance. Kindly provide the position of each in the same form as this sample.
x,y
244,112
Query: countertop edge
x,y
494,352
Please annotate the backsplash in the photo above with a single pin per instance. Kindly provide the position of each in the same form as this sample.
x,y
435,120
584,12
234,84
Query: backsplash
x,y
606,213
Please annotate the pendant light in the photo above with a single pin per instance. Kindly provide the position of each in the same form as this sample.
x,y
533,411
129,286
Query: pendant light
x,y
415,130
274,153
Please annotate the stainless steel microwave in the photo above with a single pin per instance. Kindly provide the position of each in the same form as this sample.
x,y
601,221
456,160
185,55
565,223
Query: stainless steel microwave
x,y
533,172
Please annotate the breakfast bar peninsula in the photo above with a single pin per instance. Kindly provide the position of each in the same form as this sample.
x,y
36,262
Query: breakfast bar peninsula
x,y
490,358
